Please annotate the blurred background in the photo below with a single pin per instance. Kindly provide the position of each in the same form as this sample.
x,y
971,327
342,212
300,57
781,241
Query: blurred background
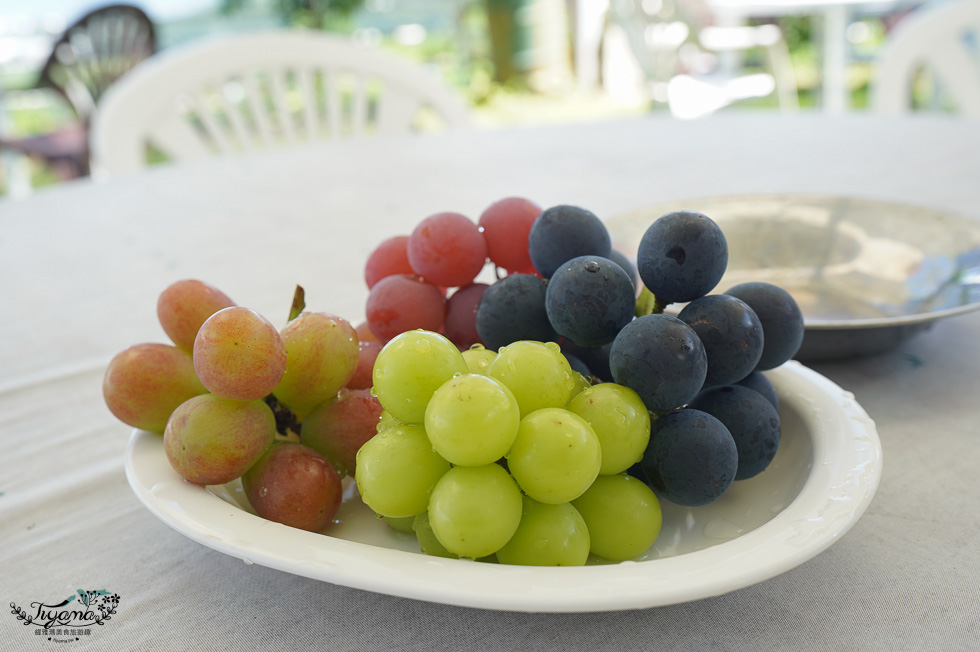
x,y
515,62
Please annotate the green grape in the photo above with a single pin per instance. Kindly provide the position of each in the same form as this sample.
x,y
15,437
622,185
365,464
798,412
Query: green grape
x,y
321,357
475,510
556,455
239,354
472,420
428,542
622,514
387,421
478,359
582,383
549,535
536,372
620,420
213,440
402,524
412,366
396,470
145,383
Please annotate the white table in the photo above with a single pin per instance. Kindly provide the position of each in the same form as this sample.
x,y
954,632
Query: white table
x,y
81,266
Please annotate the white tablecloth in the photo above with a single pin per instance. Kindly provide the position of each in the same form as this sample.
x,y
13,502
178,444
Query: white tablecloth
x,y
81,267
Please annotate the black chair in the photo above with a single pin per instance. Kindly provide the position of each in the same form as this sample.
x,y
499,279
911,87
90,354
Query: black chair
x,y
89,56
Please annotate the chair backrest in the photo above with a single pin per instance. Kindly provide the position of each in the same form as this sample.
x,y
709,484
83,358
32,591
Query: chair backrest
x,y
944,41
261,91
95,51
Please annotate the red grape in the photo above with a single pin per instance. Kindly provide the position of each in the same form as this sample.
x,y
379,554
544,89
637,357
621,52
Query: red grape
x,y
239,354
364,333
447,249
213,440
338,429
145,383
461,315
321,356
294,485
401,303
506,225
184,306
388,258
368,353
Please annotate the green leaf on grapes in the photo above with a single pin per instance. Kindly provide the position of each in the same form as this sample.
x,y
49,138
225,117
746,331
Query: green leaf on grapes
x,y
299,303
647,304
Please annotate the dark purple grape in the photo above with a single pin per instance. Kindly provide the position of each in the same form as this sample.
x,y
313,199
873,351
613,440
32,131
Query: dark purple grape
x,y
731,333
628,267
660,358
758,381
681,257
561,233
589,299
691,458
577,364
596,358
782,321
512,309
752,421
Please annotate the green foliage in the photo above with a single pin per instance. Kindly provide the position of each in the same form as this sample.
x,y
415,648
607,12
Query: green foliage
x,y
316,14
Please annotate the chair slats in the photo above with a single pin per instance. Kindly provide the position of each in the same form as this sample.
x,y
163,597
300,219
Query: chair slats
x,y
91,54
288,87
203,111
951,61
235,111
176,136
359,107
255,99
940,42
280,103
307,91
332,90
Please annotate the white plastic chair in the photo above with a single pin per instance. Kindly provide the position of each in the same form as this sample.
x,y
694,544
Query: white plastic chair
x,y
262,91
942,40
664,40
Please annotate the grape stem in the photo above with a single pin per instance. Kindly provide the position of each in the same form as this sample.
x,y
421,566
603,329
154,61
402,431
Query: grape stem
x,y
287,425
647,304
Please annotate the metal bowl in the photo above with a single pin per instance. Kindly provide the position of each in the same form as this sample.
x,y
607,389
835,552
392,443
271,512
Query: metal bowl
x,y
866,274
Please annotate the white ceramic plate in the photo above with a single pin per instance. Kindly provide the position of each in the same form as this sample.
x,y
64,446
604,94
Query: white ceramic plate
x,y
819,484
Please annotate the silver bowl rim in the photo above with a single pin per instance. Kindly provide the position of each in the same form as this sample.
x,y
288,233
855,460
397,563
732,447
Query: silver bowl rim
x,y
911,319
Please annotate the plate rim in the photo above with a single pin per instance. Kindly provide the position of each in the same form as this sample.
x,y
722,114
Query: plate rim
x,y
835,495
912,319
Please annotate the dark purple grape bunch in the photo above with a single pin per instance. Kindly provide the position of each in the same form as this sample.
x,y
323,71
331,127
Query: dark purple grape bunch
x,y
701,371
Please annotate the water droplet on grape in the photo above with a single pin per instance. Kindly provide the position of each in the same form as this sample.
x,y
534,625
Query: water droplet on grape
x,y
592,266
